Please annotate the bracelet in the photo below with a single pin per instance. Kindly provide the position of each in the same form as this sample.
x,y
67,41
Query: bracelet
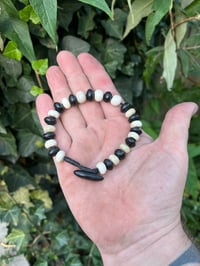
x,y
119,154
191,255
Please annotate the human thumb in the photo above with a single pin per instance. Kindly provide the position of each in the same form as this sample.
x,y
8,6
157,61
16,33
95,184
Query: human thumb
x,y
174,130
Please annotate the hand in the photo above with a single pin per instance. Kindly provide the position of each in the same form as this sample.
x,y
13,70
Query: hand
x,y
137,206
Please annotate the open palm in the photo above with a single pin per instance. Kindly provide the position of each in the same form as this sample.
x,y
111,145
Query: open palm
x,y
144,191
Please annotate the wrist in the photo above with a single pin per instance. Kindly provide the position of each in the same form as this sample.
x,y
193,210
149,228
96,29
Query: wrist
x,y
160,248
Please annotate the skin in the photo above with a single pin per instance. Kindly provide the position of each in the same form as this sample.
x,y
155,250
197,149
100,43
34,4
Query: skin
x,y
135,210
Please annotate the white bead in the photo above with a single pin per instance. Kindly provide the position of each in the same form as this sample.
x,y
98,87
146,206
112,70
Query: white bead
x,y
136,123
53,113
130,112
116,100
50,143
114,159
125,148
49,128
98,95
66,103
81,98
133,135
60,156
102,168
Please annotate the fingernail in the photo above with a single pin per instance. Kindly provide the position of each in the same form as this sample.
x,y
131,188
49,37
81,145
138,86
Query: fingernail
x,y
196,108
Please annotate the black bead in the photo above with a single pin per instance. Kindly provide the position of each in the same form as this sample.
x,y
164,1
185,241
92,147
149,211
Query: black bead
x,y
53,151
88,175
107,96
125,107
120,154
49,135
130,142
109,164
59,107
137,130
90,95
50,120
133,118
73,99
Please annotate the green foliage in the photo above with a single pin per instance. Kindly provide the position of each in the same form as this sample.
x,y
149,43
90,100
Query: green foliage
x,y
151,50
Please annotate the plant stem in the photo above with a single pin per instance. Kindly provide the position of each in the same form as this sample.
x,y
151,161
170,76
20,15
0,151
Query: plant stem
x,y
38,80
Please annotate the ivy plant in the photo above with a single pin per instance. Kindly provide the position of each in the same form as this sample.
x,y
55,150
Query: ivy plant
x,y
150,48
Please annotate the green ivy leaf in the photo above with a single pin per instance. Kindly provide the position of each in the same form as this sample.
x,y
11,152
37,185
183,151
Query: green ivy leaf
x,y
16,237
99,4
170,60
1,44
13,68
192,184
140,9
27,13
161,7
75,45
47,12
42,195
8,145
40,66
18,177
21,196
12,51
193,8
115,28
15,29
185,3
113,56
10,215
28,142
35,90
21,92
86,22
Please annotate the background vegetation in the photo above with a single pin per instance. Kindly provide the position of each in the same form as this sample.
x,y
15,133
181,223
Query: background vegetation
x,y
151,49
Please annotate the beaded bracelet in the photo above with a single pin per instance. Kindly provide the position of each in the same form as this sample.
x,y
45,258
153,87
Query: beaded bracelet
x,y
119,154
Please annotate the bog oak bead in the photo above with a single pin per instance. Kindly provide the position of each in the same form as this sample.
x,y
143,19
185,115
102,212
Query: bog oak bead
x,y
50,143
114,159
98,95
116,100
120,154
53,151
53,113
133,118
73,99
90,95
130,142
134,135
125,148
60,156
107,96
49,135
49,128
101,168
59,107
50,120
124,107
109,164
130,112
81,98
137,130
136,123
66,103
